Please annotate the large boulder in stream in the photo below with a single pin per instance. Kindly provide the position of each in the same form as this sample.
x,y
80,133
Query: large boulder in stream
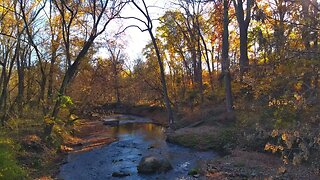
x,y
153,164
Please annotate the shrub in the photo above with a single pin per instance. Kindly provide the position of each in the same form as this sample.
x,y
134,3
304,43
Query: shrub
x,y
295,146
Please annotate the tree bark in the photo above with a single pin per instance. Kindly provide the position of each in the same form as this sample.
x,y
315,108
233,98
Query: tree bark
x,y
20,69
243,27
50,80
244,60
225,57
199,70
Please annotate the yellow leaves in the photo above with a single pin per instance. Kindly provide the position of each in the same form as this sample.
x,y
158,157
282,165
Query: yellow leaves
x,y
284,137
275,133
288,139
273,148
48,120
298,86
73,117
279,102
297,96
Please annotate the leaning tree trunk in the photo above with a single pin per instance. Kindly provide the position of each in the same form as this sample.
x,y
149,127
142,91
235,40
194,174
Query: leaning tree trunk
x,y
208,63
163,80
71,71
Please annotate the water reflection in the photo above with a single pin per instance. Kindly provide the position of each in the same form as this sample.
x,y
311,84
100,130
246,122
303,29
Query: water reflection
x,y
149,131
135,141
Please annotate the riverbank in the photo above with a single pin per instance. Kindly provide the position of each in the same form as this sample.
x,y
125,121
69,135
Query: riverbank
x,y
242,148
235,163
233,137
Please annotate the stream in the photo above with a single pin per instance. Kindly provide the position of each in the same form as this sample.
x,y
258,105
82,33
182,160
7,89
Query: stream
x,y
137,137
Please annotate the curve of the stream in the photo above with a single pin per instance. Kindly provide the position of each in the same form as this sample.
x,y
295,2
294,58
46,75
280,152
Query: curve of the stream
x,y
135,141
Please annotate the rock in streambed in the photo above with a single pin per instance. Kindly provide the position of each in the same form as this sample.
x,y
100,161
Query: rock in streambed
x,y
153,164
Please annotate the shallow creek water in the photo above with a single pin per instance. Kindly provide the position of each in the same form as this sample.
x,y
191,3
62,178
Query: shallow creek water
x,y
135,141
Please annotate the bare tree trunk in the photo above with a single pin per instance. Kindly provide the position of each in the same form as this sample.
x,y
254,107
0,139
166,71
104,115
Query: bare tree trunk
x,y
243,26
207,61
20,69
244,60
225,57
116,82
29,79
50,76
188,69
306,29
3,89
6,79
41,99
199,70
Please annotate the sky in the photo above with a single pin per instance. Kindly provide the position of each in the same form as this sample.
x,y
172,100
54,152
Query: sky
x,y
133,38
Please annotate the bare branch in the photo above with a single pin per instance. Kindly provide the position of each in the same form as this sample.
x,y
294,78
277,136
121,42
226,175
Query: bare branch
x,y
135,18
131,26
